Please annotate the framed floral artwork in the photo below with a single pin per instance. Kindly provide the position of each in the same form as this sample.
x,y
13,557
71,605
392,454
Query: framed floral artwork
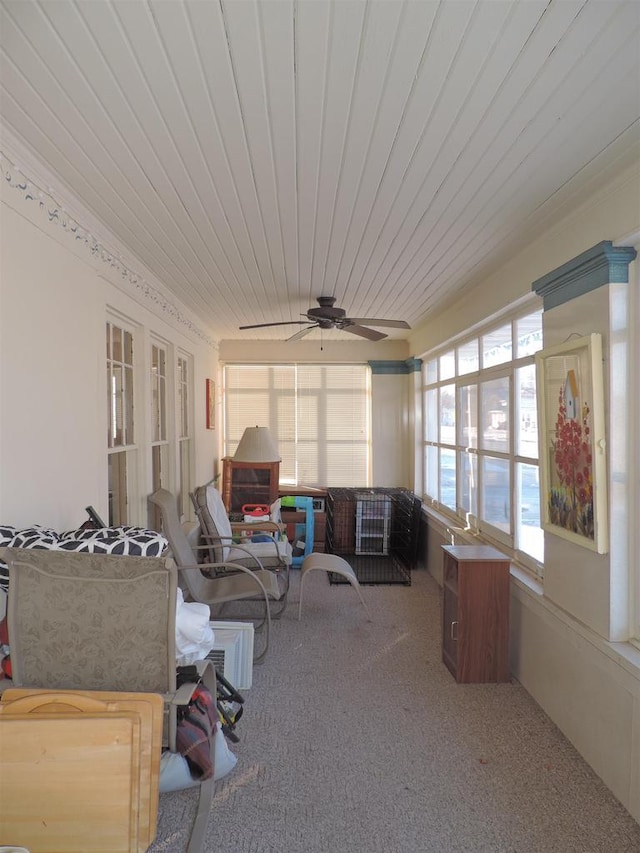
x,y
573,489
211,404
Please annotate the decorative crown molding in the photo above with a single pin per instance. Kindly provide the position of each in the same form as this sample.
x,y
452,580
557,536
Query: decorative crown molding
x,y
56,215
602,264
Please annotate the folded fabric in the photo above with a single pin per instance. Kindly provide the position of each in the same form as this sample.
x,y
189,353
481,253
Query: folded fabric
x,y
194,635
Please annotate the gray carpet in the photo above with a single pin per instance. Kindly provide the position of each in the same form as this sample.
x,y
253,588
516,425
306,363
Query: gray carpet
x,y
356,739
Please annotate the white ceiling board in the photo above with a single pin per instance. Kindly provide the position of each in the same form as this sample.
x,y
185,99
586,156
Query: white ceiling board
x,y
379,120
254,155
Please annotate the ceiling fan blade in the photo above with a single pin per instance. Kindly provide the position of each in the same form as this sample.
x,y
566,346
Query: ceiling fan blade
x,y
301,334
283,323
370,334
391,324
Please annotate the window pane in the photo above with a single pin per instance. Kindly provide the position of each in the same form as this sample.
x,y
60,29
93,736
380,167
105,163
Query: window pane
x,y
117,483
468,358
431,473
120,388
431,415
183,398
155,400
128,348
496,346
527,412
128,405
159,468
496,493
448,414
447,365
469,483
495,414
162,401
448,478
431,372
530,537
110,408
117,343
529,334
468,416
117,416
184,485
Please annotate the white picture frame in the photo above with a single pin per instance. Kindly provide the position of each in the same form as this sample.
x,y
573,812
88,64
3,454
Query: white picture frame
x,y
572,442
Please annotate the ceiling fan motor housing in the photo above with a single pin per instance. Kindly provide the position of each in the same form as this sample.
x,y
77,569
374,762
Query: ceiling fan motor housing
x,y
326,311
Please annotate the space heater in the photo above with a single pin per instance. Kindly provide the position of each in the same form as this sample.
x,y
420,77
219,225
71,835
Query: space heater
x,y
232,652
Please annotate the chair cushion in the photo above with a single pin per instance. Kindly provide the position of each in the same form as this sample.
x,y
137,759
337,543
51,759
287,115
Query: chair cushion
x,y
132,541
33,537
135,541
218,512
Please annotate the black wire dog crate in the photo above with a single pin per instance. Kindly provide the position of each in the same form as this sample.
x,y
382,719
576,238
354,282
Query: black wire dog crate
x,y
376,531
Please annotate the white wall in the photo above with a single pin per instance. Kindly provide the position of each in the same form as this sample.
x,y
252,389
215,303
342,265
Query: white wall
x,y
567,639
54,296
390,407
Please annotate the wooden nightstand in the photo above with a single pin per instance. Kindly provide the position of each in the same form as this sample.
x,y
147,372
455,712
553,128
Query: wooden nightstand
x,y
475,613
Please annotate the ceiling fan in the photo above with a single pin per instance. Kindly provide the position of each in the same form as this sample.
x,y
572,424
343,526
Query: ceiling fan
x,y
328,317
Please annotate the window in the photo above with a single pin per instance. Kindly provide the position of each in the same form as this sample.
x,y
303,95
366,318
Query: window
x,y
120,434
159,442
183,398
481,434
319,416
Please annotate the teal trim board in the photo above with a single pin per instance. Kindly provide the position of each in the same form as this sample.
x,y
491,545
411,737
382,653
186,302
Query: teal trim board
x,y
409,365
602,264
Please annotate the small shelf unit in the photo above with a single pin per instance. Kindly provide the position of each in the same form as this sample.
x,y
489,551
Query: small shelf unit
x,y
475,613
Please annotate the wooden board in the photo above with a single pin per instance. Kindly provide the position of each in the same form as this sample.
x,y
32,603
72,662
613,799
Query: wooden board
x,y
150,707
70,783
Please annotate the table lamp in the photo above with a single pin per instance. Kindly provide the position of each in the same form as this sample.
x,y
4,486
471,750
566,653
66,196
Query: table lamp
x,y
257,445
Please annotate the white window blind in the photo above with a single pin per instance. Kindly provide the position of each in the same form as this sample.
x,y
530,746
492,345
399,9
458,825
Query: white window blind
x,y
319,416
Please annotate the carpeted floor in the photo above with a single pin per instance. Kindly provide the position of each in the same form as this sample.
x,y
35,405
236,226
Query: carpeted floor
x,y
356,739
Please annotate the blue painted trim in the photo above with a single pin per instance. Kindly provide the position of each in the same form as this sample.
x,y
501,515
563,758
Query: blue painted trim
x,y
409,365
602,264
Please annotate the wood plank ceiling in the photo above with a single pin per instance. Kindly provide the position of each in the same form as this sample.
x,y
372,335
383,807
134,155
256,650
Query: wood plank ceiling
x,y
252,155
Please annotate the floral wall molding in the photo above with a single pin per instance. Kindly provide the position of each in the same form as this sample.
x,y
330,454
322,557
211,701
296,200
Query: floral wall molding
x,y
55,214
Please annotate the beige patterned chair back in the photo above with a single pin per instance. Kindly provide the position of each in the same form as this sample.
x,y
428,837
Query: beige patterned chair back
x,y
91,621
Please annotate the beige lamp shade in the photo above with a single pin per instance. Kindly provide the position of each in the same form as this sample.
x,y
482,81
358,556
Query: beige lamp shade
x,y
257,445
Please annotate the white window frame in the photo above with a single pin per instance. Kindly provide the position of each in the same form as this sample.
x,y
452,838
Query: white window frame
x,y
184,432
438,364
160,431
125,447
